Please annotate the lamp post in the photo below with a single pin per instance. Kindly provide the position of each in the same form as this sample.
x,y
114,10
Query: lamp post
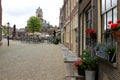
x,y
8,24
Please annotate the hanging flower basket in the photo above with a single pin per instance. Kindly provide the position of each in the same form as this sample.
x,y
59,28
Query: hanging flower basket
x,y
116,35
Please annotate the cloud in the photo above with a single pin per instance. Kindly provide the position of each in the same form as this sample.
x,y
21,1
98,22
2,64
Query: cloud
x,y
18,11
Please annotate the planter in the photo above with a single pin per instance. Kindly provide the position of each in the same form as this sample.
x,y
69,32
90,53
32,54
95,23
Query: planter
x,y
81,71
90,75
112,57
116,35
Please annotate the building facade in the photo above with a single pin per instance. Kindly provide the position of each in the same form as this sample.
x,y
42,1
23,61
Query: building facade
x,y
68,24
96,14
0,22
93,14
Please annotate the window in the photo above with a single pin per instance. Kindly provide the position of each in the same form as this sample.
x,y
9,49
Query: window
x,y
114,2
114,14
107,4
88,25
109,12
103,5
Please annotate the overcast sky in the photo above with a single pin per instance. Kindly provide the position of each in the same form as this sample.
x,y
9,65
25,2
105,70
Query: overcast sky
x,y
18,11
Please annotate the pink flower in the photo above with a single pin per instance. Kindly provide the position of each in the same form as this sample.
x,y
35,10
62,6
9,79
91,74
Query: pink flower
x,y
109,26
78,62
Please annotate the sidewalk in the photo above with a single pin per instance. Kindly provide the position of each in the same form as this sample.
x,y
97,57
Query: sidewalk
x,y
23,61
69,58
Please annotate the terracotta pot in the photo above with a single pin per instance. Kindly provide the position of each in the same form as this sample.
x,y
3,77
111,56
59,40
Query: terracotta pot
x,y
116,35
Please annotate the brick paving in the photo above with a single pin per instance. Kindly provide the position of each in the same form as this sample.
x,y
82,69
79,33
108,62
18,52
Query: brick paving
x,y
23,61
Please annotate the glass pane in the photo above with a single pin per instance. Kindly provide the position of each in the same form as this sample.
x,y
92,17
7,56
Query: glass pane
x,y
104,21
103,5
109,16
114,2
114,15
108,4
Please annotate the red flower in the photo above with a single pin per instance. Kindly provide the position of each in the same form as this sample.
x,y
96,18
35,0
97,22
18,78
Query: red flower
x,y
109,22
87,31
78,62
113,26
118,21
92,31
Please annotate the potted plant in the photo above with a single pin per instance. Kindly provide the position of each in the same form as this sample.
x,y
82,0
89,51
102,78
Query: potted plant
x,y
91,32
115,29
78,65
90,64
110,50
100,50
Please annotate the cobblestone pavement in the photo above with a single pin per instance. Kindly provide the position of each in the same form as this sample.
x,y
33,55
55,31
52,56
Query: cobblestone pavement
x,y
23,61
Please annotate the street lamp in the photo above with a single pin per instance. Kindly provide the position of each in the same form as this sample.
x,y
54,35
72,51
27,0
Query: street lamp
x,y
8,24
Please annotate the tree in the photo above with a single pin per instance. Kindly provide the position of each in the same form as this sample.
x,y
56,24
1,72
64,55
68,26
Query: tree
x,y
4,29
34,24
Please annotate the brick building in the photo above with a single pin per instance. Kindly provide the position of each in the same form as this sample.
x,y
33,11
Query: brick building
x,y
94,14
0,22
68,24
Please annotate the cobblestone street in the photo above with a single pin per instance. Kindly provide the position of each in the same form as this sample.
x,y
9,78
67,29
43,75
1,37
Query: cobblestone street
x,y
24,61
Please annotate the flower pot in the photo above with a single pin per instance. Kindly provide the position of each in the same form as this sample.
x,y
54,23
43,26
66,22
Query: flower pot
x,y
81,71
90,75
116,35
112,58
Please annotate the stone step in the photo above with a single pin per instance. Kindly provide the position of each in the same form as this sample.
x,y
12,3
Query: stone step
x,y
74,78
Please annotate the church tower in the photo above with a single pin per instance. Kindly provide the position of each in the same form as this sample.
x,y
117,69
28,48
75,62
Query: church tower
x,y
39,13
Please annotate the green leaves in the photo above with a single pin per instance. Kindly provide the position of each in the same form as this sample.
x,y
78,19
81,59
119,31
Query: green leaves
x,y
89,62
34,24
4,29
110,49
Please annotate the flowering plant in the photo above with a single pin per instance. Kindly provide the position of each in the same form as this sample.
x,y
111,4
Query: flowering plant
x,y
91,33
78,62
89,62
114,26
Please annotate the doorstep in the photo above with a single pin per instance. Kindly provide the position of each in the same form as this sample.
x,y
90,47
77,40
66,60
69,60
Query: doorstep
x,y
69,56
74,78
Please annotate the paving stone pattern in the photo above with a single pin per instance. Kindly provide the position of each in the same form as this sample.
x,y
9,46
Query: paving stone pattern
x,y
23,61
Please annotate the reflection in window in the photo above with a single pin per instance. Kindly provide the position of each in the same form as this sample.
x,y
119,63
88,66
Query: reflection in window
x,y
104,21
114,2
103,5
108,4
109,12
114,15
109,16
